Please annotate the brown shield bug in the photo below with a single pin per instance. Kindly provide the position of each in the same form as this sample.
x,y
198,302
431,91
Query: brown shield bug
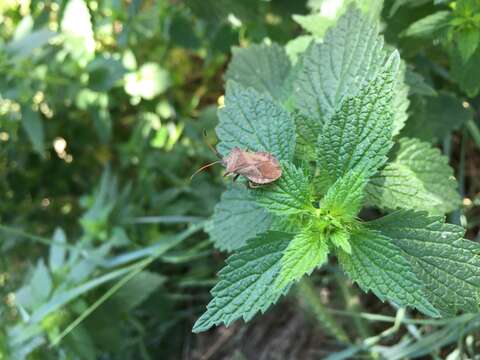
x,y
258,167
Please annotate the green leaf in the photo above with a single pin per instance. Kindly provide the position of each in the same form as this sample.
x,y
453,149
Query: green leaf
x,y
447,264
316,24
326,16
262,67
467,41
237,218
246,284
418,178
137,290
400,102
58,249
254,121
467,74
304,253
341,239
26,45
33,126
351,54
297,46
77,31
429,26
344,198
290,194
377,264
358,136
435,117
41,283
417,84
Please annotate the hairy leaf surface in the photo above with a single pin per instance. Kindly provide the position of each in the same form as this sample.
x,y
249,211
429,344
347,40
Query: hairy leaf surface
x,y
290,194
377,264
237,218
419,178
344,198
304,253
254,121
246,284
447,264
358,136
351,54
262,67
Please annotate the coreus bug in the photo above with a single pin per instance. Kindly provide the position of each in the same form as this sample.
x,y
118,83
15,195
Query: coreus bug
x,y
258,167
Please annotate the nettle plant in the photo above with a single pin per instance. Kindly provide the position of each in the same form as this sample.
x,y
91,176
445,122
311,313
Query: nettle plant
x,y
333,119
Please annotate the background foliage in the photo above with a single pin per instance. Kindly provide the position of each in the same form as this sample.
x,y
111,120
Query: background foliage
x,y
102,109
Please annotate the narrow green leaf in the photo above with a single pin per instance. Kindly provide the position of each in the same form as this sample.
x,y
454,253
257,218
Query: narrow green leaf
x,y
304,253
262,67
237,218
344,198
246,284
418,178
359,135
290,194
253,121
447,264
377,264
33,126
58,250
136,291
467,41
429,26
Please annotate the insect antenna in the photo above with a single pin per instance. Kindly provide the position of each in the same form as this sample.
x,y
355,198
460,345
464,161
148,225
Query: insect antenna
x,y
204,167
217,154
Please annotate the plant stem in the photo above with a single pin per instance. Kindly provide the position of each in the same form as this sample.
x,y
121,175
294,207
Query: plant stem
x,y
352,304
309,298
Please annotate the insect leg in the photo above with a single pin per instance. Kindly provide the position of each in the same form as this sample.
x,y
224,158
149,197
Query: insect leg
x,y
252,185
235,177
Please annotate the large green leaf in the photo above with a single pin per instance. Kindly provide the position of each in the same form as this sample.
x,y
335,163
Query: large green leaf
x,y
262,67
304,253
377,264
246,284
418,178
254,121
237,218
290,194
358,136
447,264
351,54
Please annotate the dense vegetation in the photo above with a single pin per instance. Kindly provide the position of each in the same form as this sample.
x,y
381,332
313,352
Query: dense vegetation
x,y
109,250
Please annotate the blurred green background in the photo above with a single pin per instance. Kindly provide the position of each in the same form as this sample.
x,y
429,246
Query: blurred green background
x,y
103,105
